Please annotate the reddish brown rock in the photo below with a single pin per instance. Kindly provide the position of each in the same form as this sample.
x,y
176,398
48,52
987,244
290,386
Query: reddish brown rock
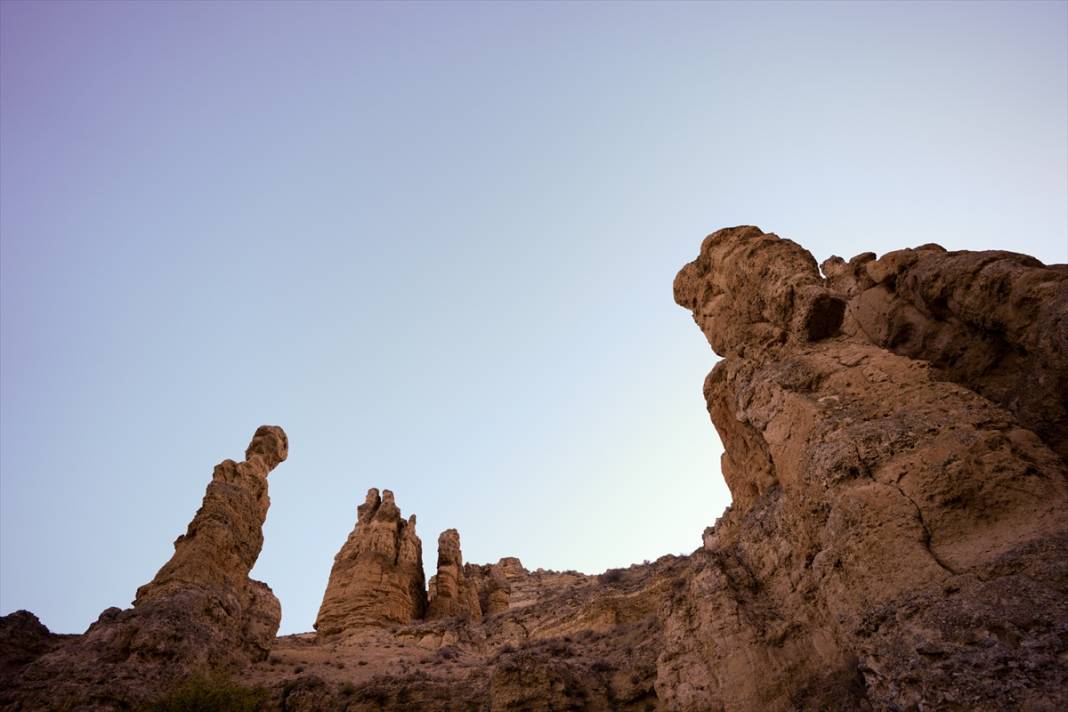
x,y
492,585
223,541
994,322
377,578
23,639
896,537
200,612
450,594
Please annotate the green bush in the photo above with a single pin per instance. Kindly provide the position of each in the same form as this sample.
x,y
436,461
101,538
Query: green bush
x,y
210,693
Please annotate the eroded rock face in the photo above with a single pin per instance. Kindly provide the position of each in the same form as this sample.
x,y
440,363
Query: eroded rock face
x,y
200,612
898,533
894,443
450,594
223,541
23,639
993,321
377,578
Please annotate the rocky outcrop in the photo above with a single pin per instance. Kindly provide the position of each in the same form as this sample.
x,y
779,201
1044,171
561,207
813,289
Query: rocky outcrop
x,y
377,578
898,535
23,639
492,584
894,440
995,322
449,593
200,612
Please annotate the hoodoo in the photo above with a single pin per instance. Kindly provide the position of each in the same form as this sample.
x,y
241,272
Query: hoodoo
x,y
201,612
377,578
450,594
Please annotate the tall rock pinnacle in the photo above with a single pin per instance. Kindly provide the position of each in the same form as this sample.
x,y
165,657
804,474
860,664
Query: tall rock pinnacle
x,y
450,593
201,612
377,578
223,541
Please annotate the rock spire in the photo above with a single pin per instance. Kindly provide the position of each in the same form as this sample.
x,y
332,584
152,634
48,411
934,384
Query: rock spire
x,y
451,595
377,578
201,612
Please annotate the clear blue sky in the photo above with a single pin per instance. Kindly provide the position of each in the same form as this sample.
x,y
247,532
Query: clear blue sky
x,y
436,243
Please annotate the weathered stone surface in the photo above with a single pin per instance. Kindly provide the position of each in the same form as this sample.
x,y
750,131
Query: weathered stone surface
x,y
896,537
200,612
223,541
23,639
492,586
994,322
449,593
377,578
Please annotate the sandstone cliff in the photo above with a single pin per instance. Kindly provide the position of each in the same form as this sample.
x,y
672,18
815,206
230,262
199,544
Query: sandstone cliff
x,y
898,532
377,578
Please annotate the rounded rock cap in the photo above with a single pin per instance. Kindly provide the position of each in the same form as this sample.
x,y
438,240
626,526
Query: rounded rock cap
x,y
270,443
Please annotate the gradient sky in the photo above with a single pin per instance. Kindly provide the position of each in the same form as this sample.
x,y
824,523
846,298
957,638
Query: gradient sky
x,y
436,243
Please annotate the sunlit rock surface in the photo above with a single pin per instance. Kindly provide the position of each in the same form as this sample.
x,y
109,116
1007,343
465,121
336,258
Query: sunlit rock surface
x,y
377,578
450,594
200,612
898,532
894,440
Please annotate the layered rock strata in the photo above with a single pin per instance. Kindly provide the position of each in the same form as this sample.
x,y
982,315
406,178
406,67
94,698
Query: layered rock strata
x,y
449,593
898,533
377,578
201,611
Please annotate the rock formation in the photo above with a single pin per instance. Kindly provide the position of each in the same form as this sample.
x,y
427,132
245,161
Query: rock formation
x,y
895,439
994,322
898,533
449,593
23,639
200,612
221,546
377,578
492,584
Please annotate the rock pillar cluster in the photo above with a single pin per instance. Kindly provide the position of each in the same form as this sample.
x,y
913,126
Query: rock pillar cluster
x,y
377,578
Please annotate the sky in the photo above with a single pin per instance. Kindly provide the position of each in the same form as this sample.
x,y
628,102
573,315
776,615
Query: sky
x,y
436,243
